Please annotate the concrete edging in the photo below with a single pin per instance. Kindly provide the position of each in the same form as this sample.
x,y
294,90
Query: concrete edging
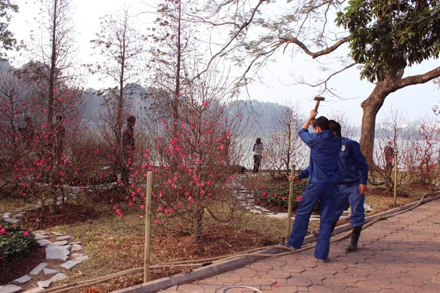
x,y
218,268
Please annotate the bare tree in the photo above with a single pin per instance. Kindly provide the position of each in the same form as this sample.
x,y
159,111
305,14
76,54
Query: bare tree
x,y
284,147
121,50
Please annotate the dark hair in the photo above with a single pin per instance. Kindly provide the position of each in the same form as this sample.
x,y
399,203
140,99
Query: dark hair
x,y
321,122
335,127
258,141
131,119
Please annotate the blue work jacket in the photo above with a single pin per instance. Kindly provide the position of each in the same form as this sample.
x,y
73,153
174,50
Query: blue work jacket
x,y
352,164
354,168
324,155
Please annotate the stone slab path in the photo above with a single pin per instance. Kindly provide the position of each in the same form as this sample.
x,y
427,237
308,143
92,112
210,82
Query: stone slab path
x,y
400,254
62,255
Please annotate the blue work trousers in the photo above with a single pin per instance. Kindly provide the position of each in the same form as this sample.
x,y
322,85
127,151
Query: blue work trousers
x,y
326,194
350,194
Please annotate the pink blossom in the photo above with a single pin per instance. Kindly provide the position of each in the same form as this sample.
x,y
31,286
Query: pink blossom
x,y
160,208
222,147
25,233
3,231
156,221
142,207
264,194
298,198
205,104
284,197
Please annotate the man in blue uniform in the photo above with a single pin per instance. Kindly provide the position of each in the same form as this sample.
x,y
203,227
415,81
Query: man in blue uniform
x,y
324,177
352,185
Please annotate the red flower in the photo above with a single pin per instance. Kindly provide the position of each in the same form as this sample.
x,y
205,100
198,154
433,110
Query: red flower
x,y
25,233
299,198
3,231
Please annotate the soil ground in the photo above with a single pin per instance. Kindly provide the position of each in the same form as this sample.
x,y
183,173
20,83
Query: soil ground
x,y
114,245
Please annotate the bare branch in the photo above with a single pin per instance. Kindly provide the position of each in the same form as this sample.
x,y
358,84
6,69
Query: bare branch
x,y
294,40
236,34
416,79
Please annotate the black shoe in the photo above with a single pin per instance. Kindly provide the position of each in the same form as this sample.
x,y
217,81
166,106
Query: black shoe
x,y
284,244
352,245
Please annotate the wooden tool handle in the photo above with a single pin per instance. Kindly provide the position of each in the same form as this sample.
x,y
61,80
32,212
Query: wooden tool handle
x,y
316,106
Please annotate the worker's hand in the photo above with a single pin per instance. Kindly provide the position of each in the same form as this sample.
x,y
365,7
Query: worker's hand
x,y
313,114
363,188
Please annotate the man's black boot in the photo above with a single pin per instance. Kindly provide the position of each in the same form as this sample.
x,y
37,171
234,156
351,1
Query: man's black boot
x,y
352,246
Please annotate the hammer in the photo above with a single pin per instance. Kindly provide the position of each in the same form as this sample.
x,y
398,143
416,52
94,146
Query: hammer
x,y
318,99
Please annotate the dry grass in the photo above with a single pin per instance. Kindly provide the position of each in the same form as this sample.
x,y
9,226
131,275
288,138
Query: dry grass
x,y
114,244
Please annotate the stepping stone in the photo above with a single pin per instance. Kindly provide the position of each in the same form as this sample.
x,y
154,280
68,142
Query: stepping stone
x,y
44,284
61,238
367,207
22,280
6,215
59,277
57,233
44,242
20,215
10,221
38,268
50,272
82,258
41,236
58,252
77,247
10,289
59,243
68,265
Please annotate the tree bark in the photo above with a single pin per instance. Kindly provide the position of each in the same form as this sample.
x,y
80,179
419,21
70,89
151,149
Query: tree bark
x,y
374,102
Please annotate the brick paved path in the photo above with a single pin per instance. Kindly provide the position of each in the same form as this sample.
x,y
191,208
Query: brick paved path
x,y
400,254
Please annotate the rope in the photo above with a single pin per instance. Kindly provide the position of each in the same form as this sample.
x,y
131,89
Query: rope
x,y
208,261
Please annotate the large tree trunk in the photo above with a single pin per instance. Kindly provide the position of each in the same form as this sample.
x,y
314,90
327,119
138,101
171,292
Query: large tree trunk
x,y
371,107
374,102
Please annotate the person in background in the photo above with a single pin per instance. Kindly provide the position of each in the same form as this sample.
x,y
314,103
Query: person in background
x,y
28,132
60,133
389,154
258,154
128,148
324,177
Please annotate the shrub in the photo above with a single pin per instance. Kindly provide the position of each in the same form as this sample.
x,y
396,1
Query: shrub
x,y
15,242
278,195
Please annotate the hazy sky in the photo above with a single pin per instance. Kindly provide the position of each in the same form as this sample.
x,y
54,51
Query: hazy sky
x,y
279,80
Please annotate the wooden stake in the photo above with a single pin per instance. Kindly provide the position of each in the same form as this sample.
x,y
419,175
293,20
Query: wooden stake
x,y
289,208
147,226
395,178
